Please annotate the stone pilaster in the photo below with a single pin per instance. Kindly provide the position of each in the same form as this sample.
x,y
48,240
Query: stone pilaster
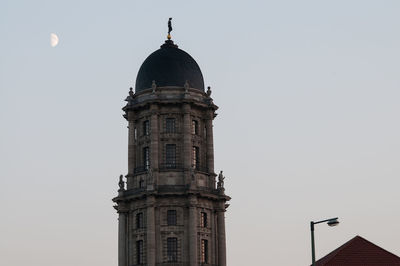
x,y
187,145
154,136
151,233
221,235
210,142
122,261
131,147
193,257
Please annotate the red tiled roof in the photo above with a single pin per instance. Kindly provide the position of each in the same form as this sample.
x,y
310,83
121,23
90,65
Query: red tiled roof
x,y
359,252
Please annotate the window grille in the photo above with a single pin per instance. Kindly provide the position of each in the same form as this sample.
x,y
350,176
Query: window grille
x,y
146,158
172,249
195,127
204,251
146,128
170,125
171,217
195,157
139,252
170,156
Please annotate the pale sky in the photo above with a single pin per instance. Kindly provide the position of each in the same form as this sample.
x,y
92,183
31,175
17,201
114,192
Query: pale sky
x,y
308,126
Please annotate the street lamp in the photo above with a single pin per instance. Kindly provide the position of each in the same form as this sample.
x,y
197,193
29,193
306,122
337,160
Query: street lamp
x,y
330,222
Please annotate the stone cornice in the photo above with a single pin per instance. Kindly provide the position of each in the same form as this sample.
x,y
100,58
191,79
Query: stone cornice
x,y
134,195
169,95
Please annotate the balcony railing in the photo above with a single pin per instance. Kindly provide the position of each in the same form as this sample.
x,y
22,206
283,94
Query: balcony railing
x,y
140,169
171,166
181,264
200,168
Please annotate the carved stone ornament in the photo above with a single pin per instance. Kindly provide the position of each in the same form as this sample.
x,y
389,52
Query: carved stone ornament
x,y
221,178
153,86
121,183
186,86
208,91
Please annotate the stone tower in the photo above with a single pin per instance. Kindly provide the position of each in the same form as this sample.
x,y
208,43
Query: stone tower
x,y
171,211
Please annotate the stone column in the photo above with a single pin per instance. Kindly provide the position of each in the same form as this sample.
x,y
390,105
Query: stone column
x,y
130,246
210,142
214,242
122,239
151,232
221,236
193,258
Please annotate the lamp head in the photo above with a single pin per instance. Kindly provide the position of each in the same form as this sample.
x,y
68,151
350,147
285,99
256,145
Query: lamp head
x,y
333,222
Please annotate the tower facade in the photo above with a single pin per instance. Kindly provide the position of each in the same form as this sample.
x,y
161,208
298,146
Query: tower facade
x,y
171,209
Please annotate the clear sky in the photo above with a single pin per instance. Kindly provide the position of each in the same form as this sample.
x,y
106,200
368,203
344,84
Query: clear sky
x,y
308,125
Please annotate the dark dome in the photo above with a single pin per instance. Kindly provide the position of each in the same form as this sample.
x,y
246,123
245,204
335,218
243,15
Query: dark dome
x,y
169,66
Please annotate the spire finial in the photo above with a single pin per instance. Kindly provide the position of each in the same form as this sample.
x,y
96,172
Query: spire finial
x,y
169,28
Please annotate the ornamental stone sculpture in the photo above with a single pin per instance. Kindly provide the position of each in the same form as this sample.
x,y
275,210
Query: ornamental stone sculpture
x,y
221,178
121,183
169,28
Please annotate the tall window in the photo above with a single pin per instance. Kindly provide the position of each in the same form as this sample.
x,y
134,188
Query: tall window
x,y
172,249
170,156
170,125
139,252
204,251
139,220
195,127
146,158
195,157
171,217
146,128
203,219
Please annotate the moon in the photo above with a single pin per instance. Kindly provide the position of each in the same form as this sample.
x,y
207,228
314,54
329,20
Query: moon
x,y
53,40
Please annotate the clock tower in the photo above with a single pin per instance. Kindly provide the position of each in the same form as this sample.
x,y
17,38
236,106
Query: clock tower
x,y
172,205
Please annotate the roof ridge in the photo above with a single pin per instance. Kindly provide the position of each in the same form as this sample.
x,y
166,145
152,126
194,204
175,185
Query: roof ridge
x,y
328,257
333,254
378,246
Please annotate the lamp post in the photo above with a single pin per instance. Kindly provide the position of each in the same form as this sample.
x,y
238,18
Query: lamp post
x,y
330,222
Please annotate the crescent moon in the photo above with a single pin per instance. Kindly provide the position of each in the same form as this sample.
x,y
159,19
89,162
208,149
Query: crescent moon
x,y
53,40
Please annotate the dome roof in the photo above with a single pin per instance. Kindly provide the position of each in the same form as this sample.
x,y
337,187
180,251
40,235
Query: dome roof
x,y
169,66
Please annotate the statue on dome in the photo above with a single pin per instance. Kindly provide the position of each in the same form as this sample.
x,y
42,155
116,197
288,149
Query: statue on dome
x,y
208,91
169,28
